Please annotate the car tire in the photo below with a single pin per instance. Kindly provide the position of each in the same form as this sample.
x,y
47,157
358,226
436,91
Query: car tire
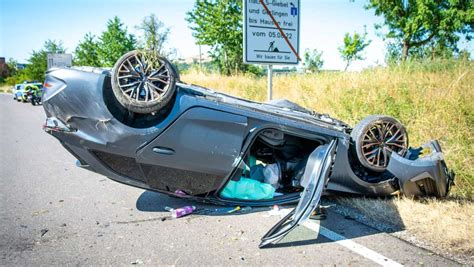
x,y
374,139
143,82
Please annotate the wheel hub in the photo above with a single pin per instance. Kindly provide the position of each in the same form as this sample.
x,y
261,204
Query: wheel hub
x,y
380,140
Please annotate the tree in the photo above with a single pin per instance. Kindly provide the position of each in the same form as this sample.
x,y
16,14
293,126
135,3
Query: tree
x,y
416,23
430,50
19,77
219,24
37,63
313,60
114,42
87,52
353,47
155,34
16,75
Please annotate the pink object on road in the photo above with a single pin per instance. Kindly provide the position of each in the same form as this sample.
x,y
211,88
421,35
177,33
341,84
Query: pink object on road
x,y
180,212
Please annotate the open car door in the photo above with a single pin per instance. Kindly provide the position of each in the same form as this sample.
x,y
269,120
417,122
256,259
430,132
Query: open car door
x,y
314,180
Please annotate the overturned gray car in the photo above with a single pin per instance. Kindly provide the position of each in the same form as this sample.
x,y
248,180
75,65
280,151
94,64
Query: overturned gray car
x,y
140,125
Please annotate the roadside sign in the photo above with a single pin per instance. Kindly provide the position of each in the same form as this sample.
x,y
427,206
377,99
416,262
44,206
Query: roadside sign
x,y
59,60
271,39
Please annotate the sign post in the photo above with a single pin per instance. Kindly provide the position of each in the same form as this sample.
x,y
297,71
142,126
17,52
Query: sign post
x,y
271,34
269,82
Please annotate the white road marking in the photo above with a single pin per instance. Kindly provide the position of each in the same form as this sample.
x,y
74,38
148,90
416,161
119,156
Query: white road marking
x,y
347,243
353,246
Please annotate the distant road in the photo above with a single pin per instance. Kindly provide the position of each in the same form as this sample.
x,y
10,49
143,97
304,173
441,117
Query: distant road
x,y
53,213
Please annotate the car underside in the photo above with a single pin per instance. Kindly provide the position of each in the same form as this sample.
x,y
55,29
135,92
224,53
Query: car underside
x,y
140,125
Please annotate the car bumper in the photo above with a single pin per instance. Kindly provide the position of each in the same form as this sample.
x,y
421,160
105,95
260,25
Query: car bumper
x,y
422,176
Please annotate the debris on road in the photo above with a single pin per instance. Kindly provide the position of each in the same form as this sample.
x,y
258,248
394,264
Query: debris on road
x,y
136,262
183,211
234,210
44,231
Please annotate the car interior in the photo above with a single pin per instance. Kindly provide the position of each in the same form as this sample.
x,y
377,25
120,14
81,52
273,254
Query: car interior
x,y
271,168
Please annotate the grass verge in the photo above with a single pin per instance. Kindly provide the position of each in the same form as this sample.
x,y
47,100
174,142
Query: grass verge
x,y
445,226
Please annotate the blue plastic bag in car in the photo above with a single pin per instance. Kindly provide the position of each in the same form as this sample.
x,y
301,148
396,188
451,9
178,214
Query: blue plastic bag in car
x,y
248,189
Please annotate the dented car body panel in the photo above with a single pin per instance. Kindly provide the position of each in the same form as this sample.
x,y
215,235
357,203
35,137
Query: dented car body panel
x,y
428,175
202,137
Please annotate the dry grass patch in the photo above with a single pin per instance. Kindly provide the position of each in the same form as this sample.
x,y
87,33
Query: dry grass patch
x,y
5,88
446,224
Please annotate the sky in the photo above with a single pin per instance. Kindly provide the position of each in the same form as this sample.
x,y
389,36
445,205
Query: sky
x,y
26,24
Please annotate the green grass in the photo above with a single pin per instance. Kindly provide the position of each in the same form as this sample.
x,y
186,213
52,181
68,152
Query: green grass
x,y
433,100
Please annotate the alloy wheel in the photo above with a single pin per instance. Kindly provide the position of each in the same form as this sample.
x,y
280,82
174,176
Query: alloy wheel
x,y
380,140
141,80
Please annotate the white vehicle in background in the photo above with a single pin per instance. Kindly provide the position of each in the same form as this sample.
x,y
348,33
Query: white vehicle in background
x,y
19,93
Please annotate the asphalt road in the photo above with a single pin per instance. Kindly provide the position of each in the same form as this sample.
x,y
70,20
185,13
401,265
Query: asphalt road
x,y
53,213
